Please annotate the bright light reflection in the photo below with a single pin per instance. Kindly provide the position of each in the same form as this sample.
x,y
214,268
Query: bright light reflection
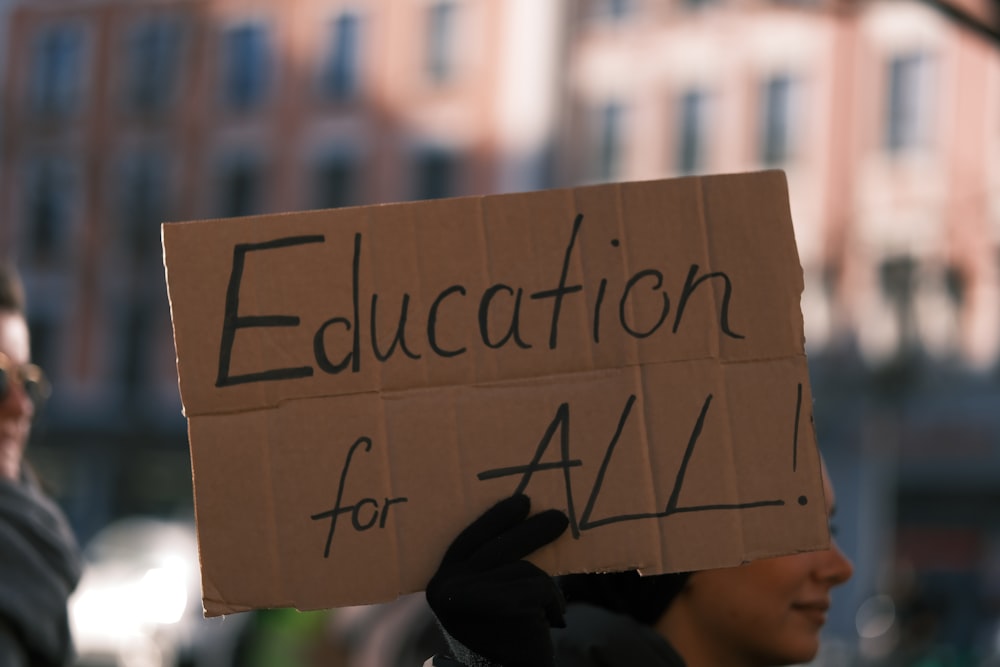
x,y
875,616
162,595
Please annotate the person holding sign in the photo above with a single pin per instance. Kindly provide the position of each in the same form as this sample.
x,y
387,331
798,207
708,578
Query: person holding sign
x,y
497,609
39,559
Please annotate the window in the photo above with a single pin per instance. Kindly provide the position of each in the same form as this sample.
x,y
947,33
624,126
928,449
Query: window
x,y
909,100
898,277
153,52
436,173
246,64
241,183
619,8
335,181
339,79
610,10
609,142
777,109
441,38
57,71
142,200
692,131
47,210
956,285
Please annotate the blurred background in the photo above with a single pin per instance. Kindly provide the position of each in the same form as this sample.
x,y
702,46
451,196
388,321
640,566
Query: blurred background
x,y
118,115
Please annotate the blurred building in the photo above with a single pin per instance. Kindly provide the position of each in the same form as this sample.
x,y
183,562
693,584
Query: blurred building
x,y
883,113
121,115
884,117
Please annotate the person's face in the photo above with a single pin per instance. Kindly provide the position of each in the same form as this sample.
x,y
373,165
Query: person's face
x,y
768,612
16,409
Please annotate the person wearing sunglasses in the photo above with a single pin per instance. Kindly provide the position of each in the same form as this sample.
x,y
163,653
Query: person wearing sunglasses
x,y
40,560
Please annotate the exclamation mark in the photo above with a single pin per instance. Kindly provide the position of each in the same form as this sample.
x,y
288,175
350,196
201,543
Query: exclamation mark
x,y
795,439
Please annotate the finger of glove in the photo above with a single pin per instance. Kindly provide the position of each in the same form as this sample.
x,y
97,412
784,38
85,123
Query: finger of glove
x,y
532,587
509,630
491,523
520,540
518,588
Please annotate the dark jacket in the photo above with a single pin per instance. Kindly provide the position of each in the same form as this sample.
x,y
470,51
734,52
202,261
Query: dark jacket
x,y
595,637
39,568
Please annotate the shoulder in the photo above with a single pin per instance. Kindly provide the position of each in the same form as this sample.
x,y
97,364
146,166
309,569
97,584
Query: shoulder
x,y
595,637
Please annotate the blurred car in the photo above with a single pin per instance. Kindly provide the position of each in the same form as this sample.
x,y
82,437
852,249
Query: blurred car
x,y
138,603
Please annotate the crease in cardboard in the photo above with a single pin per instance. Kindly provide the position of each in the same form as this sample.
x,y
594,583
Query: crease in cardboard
x,y
277,560
706,238
489,262
389,394
463,490
460,450
631,353
732,479
393,488
647,409
707,224
415,230
581,259
370,251
580,266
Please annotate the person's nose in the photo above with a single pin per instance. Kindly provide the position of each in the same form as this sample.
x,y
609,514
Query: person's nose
x,y
833,567
17,401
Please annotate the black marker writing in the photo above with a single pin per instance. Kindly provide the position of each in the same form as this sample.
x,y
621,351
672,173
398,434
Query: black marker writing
x,y
513,329
356,510
232,320
441,330
559,292
561,422
319,340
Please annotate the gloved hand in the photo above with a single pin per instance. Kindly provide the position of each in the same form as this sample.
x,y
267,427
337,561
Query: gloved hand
x,y
491,600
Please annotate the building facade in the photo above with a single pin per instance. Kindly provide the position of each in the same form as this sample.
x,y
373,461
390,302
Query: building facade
x,y
883,116
120,116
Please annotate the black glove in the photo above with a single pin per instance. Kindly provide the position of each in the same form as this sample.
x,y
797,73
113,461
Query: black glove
x,y
488,598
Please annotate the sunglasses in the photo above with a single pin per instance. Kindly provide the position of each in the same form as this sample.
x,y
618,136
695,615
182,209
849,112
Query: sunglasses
x,y
31,378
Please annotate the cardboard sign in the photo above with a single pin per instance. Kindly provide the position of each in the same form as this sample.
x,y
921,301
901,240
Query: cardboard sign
x,y
361,383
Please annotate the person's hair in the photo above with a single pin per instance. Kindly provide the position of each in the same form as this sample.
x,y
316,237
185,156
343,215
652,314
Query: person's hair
x,y
11,289
643,598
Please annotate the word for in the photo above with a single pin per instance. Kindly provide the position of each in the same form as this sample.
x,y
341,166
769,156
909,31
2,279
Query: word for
x,y
381,515
439,323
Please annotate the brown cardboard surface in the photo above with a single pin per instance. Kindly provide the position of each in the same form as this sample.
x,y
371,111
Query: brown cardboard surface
x,y
361,383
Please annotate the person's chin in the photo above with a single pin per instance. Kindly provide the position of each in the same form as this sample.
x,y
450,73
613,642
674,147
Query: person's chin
x,y
11,451
796,642
801,649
